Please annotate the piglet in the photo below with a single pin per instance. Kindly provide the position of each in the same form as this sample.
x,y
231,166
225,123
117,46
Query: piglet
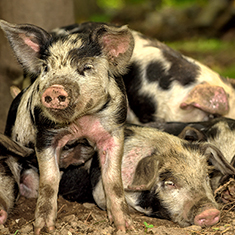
x,y
77,93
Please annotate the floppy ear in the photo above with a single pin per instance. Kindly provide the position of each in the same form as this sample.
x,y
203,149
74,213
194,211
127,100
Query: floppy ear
x,y
117,44
217,159
9,147
145,174
27,41
191,134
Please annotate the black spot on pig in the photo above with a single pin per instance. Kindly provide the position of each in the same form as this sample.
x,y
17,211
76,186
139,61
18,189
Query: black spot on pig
x,y
150,200
157,73
182,70
12,114
45,137
75,55
141,104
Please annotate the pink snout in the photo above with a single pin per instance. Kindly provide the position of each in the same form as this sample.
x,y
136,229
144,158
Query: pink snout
x,y
55,97
3,216
207,218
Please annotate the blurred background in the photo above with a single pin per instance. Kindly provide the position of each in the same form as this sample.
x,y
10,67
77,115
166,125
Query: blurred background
x,y
202,29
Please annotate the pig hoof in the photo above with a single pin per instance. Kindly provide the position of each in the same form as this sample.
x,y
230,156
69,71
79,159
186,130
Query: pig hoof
x,y
3,216
122,225
50,229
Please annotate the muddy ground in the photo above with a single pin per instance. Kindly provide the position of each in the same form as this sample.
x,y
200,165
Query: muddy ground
x,y
74,218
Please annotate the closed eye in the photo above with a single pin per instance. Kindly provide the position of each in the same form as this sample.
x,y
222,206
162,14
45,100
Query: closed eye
x,y
169,184
87,67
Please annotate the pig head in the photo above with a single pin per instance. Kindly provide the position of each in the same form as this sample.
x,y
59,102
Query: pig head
x,y
219,132
77,93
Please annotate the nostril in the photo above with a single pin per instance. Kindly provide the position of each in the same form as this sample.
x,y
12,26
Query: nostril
x,y
207,218
48,99
61,98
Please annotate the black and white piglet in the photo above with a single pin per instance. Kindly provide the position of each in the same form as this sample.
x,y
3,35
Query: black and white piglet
x,y
163,176
77,93
163,84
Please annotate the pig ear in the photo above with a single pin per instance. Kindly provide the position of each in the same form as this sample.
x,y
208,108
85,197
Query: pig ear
x,y
27,41
8,146
191,134
211,99
216,158
145,174
117,44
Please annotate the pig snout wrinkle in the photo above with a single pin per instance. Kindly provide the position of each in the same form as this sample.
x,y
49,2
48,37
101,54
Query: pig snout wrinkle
x,y
207,218
55,97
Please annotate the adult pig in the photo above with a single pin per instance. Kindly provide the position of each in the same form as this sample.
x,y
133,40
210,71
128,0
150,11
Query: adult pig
x,y
163,176
10,170
77,93
163,84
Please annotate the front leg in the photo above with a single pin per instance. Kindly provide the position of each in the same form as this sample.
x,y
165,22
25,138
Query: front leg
x,y
46,208
110,152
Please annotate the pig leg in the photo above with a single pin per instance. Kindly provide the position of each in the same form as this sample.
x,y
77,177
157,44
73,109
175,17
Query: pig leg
x,y
7,196
46,209
117,208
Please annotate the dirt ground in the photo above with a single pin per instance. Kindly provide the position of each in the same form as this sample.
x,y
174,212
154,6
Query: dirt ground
x,y
74,218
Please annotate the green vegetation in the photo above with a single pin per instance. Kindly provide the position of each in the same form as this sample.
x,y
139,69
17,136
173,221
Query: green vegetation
x,y
215,53
147,226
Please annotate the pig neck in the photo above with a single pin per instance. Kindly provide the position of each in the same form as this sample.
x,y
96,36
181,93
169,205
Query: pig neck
x,y
89,127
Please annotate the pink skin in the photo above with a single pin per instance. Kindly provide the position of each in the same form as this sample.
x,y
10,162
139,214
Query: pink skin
x,y
209,98
207,218
3,216
107,145
55,97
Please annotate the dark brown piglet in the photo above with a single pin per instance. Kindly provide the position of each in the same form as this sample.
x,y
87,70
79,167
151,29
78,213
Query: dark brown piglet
x,y
10,169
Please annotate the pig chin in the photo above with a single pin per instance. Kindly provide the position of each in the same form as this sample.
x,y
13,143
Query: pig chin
x,y
61,115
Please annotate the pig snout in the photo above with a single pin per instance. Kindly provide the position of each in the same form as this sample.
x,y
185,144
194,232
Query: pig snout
x,y
55,97
207,217
3,216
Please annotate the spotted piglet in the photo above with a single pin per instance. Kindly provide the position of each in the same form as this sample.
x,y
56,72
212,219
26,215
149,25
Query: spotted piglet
x,y
163,176
163,84
77,93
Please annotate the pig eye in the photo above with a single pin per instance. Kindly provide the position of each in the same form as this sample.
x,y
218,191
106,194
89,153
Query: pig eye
x,y
45,69
169,184
87,67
